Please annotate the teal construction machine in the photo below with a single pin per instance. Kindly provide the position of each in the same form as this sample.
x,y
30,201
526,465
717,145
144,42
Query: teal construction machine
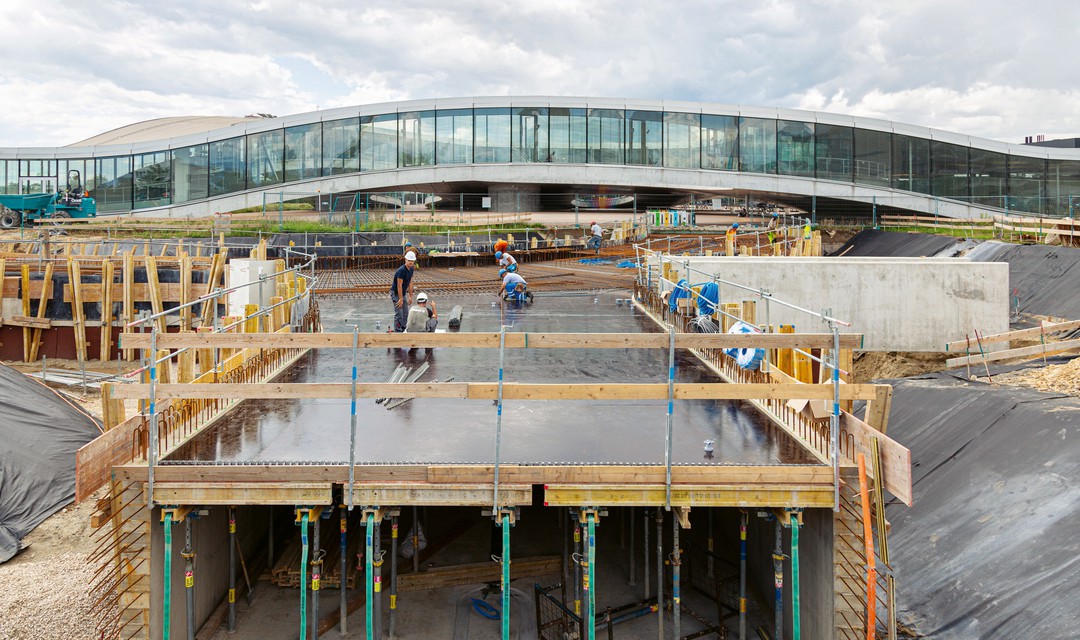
x,y
72,202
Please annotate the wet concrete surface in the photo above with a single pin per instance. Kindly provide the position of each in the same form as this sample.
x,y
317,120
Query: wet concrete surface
x,y
440,430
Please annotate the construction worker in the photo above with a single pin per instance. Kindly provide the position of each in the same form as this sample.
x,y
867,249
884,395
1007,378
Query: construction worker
x,y
502,245
506,261
597,236
401,291
513,287
423,316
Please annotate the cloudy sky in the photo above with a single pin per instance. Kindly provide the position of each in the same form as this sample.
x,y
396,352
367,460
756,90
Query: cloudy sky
x,y
992,68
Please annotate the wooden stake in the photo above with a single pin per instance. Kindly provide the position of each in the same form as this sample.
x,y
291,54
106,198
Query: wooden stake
x,y
155,291
129,301
77,309
26,310
46,292
185,292
107,269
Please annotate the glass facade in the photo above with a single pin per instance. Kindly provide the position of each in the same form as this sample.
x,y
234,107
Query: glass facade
x,y
795,148
303,152
562,135
341,146
492,135
153,172
529,135
454,136
190,173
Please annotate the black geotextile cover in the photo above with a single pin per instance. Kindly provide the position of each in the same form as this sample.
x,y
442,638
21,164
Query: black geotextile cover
x,y
990,546
893,244
1043,280
39,434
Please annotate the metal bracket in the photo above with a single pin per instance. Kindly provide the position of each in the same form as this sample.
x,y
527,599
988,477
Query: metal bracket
x,y
513,512
785,514
179,514
313,513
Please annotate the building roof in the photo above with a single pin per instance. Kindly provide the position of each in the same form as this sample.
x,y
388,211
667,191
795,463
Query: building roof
x,y
162,128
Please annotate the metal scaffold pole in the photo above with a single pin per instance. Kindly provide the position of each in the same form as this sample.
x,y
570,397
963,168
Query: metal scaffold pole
x,y
352,423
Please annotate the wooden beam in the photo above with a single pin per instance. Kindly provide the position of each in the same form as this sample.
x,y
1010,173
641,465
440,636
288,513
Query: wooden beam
x,y
877,410
129,300
43,301
1034,351
106,311
682,514
77,311
491,340
1036,332
710,495
25,311
155,293
473,495
895,458
510,391
236,493
478,573
32,322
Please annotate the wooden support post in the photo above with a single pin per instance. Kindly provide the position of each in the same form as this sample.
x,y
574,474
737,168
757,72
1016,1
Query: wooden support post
x,y
277,316
165,366
209,307
129,300
106,310
112,409
804,372
186,365
749,312
185,292
784,357
877,410
155,291
730,309
205,357
77,313
25,291
251,321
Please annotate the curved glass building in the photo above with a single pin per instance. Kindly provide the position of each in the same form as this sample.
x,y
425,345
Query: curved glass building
x,y
565,143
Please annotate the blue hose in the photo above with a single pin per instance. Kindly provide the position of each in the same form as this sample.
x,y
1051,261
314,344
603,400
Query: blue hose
x,y
485,609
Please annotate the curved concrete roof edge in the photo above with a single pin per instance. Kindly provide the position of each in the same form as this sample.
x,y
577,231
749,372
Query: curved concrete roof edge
x,y
259,124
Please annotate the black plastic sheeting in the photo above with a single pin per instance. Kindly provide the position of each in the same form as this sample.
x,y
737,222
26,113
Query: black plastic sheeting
x,y
987,550
1043,280
892,244
39,434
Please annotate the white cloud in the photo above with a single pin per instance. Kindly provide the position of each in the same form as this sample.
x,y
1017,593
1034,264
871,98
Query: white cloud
x,y
74,69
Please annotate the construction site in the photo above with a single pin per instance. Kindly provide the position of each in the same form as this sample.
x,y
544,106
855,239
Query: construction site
x,y
782,431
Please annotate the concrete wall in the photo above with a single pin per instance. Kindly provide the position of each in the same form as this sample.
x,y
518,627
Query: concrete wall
x,y
898,304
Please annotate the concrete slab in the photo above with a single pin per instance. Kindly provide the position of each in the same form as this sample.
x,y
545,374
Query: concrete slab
x,y
433,430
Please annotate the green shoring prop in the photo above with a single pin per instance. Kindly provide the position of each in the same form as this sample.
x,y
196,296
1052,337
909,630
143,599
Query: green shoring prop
x,y
166,621
303,574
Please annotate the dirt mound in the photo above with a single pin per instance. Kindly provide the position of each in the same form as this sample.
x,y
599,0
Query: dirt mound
x,y
1056,378
882,365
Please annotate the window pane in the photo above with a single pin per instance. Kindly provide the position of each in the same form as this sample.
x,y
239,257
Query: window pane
x,y
341,146
873,157
719,142
71,174
5,186
949,170
113,184
833,152
568,135
152,174
303,152
795,148
378,142
228,169
682,140
265,153
645,138
492,135
1062,184
190,167
911,164
416,139
606,136
454,136
757,145
529,134
987,177
1027,183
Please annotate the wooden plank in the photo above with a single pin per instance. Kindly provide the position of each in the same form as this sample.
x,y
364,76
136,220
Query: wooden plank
x,y
106,311
26,311
478,573
209,308
77,311
877,410
155,292
436,475
711,495
1033,351
129,300
510,390
43,301
237,493
185,292
33,322
895,458
474,495
95,292
491,340
1036,332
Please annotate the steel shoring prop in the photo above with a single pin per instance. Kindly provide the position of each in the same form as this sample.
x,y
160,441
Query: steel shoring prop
x,y
189,578
670,420
343,607
232,570
393,574
166,614
589,577
778,582
504,583
796,607
743,522
316,580
577,563
369,573
352,434
498,417
377,563
660,574
303,573
676,588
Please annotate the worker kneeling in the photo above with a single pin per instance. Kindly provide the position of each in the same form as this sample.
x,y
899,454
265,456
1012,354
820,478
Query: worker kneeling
x,y
514,287
423,316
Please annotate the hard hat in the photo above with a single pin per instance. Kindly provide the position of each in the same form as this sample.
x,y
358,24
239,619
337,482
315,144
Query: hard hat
x,y
421,297
498,254
502,272
735,225
408,244
410,256
592,223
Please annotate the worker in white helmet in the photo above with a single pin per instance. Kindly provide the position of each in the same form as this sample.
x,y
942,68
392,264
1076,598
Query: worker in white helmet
x,y
424,316
401,291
